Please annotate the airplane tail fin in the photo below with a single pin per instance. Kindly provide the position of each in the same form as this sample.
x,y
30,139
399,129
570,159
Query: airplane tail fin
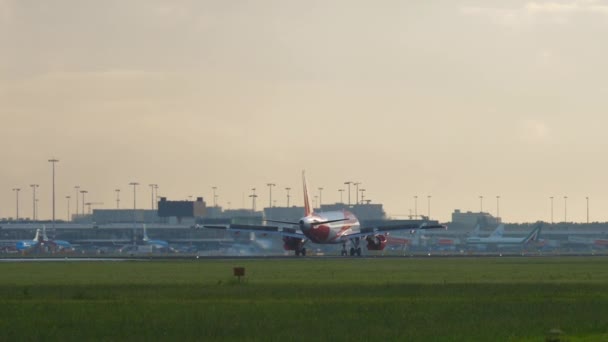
x,y
475,231
499,232
44,236
37,237
145,234
534,234
307,209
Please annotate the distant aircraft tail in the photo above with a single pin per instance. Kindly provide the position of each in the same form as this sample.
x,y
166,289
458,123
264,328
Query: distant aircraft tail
x,y
307,209
500,230
44,236
38,236
534,234
145,234
475,232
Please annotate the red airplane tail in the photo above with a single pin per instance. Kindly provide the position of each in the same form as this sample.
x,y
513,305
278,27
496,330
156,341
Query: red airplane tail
x,y
307,209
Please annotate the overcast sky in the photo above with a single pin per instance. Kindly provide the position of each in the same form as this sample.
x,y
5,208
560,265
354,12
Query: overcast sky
x,y
454,99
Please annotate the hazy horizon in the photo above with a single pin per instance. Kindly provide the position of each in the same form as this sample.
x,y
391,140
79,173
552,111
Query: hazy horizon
x,y
453,99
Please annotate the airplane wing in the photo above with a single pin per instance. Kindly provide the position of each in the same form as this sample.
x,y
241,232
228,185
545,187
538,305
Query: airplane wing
x,y
274,230
385,229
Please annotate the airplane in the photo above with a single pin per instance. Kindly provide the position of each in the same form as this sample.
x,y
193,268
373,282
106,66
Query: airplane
x,y
156,244
497,240
331,227
41,240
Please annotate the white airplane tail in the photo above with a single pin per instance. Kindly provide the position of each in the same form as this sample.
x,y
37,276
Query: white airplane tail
x,y
475,232
499,231
534,234
37,236
146,238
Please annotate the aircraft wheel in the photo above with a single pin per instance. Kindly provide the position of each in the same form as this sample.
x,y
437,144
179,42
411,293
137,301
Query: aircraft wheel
x,y
352,251
343,252
297,252
358,251
303,251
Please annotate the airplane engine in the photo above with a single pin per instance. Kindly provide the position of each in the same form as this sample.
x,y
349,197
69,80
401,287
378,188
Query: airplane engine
x,y
376,242
291,243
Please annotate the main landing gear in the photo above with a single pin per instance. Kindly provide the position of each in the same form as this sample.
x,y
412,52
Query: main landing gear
x,y
301,251
355,250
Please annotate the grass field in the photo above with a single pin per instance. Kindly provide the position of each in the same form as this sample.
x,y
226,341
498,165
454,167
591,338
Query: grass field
x,y
408,299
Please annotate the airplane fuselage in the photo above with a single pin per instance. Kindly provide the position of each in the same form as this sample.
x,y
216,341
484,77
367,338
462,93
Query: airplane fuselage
x,y
332,232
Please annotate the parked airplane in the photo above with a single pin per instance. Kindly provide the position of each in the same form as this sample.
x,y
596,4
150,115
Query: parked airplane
x,y
497,240
156,244
332,227
41,240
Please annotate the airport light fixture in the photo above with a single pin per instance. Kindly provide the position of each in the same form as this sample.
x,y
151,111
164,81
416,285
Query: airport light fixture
x,y
287,189
253,196
16,190
152,186
428,206
362,191
270,185
356,184
551,198
415,206
481,204
83,192
117,198
348,183
77,188
214,188
134,184
320,196
68,200
53,161
587,198
34,186
155,196
341,197
497,206
565,208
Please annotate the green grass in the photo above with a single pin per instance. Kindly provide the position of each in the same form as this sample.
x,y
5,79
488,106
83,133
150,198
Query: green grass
x,y
459,299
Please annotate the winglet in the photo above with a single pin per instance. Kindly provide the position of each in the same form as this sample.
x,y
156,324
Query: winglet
x,y
307,208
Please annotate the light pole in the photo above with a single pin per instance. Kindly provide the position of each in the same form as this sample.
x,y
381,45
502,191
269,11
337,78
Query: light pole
x,y
565,208
117,198
348,183
341,197
155,196
356,184
428,206
481,204
551,209
415,207
134,184
587,198
68,200
214,196
314,203
287,196
320,197
16,190
77,188
270,185
253,197
497,206
152,194
83,192
34,186
53,161
362,191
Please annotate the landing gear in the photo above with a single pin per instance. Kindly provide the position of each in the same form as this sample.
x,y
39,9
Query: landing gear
x,y
301,251
354,251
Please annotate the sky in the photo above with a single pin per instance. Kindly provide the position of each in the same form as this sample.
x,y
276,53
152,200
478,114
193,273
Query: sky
x,y
450,99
